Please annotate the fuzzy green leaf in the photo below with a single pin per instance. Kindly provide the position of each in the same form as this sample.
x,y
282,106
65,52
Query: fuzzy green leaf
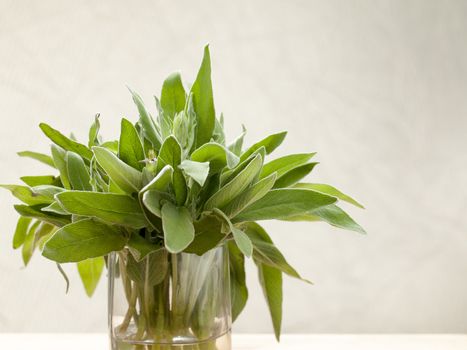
x,y
238,288
196,170
329,190
250,195
152,201
236,186
140,247
78,173
36,213
126,177
113,208
243,241
331,214
284,164
285,202
228,175
179,231
59,155
236,146
43,158
29,245
271,282
270,143
173,95
293,176
82,240
21,231
161,181
27,195
203,100
64,142
217,155
130,148
170,154
41,180
93,139
90,271
55,208
149,127
208,234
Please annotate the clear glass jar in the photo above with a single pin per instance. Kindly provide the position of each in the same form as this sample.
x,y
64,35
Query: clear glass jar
x,y
170,301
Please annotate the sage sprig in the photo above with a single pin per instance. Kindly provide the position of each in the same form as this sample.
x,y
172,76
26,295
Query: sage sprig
x,y
170,184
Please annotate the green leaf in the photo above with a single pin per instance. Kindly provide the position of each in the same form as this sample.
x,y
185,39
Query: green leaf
x,y
271,283
94,132
130,148
266,252
152,201
41,180
293,176
329,190
113,208
228,174
284,164
27,195
29,244
285,202
140,247
178,227
203,100
173,95
208,234
171,154
238,289
236,146
217,155
270,143
161,181
111,146
36,213
59,155
21,231
331,214
82,240
151,270
64,142
146,121
241,239
90,271
236,186
196,170
125,176
43,158
250,195
78,173
43,233
218,134
55,208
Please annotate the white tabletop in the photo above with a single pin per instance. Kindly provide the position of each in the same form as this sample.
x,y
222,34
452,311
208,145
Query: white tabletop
x,y
98,341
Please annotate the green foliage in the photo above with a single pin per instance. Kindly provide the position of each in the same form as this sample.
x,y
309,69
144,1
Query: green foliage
x,y
171,184
90,271
82,240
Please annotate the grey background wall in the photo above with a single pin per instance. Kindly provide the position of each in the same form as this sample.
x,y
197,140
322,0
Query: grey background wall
x,y
378,88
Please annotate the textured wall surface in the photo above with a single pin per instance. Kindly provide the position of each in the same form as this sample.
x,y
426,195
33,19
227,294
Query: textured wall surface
x,y
378,88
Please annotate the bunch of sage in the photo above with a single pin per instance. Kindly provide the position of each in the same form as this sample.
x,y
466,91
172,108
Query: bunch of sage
x,y
171,184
